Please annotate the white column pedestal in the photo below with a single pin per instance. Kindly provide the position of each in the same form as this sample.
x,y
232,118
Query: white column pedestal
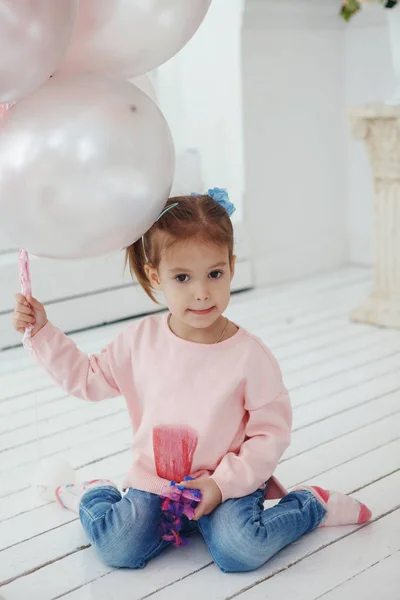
x,y
379,126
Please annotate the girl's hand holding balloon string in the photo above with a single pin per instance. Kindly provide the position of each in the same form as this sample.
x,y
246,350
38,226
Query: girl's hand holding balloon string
x,y
28,311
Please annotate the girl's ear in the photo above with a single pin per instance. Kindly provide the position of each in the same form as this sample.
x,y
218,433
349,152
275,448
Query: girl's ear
x,y
153,277
233,265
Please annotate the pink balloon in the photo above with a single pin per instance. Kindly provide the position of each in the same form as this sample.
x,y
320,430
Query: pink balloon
x,y
86,166
131,37
34,35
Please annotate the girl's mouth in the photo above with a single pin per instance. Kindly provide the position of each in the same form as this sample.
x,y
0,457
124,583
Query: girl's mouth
x,y
202,312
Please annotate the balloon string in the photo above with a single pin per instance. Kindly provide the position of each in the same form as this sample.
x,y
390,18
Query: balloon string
x,y
26,290
4,108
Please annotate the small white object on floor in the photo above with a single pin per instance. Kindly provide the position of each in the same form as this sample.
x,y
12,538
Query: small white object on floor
x,y
49,474
69,495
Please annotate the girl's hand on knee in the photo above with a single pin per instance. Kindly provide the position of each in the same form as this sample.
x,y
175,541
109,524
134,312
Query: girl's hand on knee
x,y
28,311
211,495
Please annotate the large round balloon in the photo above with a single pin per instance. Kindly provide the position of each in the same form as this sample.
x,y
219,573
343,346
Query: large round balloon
x,y
86,165
131,37
34,35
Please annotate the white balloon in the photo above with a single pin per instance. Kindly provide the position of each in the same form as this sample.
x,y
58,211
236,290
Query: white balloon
x,y
86,165
131,37
49,474
143,82
34,34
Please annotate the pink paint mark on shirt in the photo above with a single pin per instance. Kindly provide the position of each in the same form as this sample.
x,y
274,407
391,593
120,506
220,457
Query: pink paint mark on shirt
x,y
174,448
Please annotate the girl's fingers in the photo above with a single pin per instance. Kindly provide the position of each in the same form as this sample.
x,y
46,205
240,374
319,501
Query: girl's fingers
x,y
20,325
22,319
21,308
19,316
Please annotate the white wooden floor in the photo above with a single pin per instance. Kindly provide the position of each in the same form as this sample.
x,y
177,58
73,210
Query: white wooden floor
x,y
345,388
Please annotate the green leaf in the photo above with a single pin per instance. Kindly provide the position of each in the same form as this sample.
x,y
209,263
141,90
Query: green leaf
x,y
350,9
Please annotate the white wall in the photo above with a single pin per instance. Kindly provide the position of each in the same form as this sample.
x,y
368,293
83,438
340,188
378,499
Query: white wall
x,y
369,78
200,93
295,139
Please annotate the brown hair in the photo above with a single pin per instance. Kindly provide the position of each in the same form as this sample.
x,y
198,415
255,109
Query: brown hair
x,y
198,217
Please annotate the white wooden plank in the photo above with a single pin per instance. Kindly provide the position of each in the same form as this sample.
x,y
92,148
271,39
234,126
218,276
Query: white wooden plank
x,y
348,477
304,439
46,518
378,581
385,346
290,336
318,460
336,426
357,280
19,475
25,500
208,582
339,331
348,403
40,382
344,380
95,447
358,472
319,283
75,570
30,400
15,359
315,575
271,309
338,451
334,353
40,430
19,481
13,416
113,420
17,419
320,409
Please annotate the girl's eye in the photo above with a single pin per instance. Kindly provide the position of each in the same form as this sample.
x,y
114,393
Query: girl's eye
x,y
215,274
182,278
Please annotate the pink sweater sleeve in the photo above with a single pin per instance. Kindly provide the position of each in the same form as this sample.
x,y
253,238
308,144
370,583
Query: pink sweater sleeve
x,y
87,377
268,430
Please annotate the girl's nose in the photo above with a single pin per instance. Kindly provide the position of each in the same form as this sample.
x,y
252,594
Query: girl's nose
x,y
202,294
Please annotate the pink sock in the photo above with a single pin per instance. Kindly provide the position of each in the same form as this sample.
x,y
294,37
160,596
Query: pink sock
x,y
341,509
69,496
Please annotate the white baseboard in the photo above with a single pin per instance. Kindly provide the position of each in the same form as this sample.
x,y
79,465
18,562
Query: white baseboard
x,y
292,263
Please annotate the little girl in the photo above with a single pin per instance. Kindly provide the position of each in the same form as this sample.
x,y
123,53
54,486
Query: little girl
x,y
205,399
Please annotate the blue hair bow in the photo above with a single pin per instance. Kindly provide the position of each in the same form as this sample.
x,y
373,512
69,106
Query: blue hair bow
x,y
221,196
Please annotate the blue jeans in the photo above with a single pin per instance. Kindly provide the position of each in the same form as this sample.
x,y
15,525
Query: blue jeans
x,y
240,535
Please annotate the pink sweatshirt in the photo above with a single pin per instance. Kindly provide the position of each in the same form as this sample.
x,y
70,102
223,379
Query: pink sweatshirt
x,y
195,409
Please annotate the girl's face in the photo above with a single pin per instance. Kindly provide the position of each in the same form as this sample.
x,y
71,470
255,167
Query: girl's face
x,y
195,279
